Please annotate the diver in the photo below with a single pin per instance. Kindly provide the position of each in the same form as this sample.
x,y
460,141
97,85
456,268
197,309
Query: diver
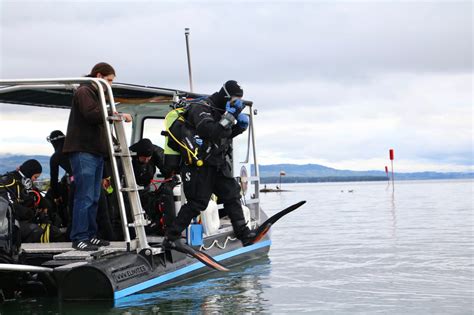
x,y
159,203
212,123
61,191
148,158
18,189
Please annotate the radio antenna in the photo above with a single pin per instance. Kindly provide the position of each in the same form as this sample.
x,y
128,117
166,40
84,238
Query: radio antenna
x,y
186,35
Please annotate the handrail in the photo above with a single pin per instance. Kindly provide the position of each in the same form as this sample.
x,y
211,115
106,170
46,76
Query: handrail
x,y
255,161
21,84
110,147
138,218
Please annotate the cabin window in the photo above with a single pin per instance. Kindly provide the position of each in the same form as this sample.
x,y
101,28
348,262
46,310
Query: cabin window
x,y
152,128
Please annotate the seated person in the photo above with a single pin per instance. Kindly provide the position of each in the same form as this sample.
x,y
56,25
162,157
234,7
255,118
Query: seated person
x,y
148,157
158,204
17,187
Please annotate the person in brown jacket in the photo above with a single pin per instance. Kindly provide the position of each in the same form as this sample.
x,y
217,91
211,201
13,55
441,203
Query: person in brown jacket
x,y
86,146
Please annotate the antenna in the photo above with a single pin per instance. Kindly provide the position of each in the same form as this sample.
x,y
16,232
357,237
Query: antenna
x,y
186,35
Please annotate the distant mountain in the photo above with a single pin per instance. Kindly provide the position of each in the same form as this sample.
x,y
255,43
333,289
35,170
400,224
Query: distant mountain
x,y
270,173
9,162
316,172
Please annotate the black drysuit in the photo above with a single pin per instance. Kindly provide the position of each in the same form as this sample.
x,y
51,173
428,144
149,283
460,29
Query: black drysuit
x,y
13,190
215,176
65,188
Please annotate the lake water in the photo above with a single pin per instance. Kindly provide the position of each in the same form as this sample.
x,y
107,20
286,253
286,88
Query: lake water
x,y
371,250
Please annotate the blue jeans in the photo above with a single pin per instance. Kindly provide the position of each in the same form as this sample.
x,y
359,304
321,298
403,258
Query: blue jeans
x,y
87,169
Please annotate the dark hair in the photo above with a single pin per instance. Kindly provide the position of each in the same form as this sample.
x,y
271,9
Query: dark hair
x,y
103,68
55,136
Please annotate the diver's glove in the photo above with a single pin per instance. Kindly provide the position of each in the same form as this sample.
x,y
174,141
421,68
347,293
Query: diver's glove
x,y
234,107
168,244
232,111
243,120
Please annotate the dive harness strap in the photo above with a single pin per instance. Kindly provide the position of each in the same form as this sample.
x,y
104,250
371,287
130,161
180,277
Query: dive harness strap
x,y
45,236
192,155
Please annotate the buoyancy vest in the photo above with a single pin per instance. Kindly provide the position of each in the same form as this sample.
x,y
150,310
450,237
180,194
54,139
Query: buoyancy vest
x,y
181,139
10,187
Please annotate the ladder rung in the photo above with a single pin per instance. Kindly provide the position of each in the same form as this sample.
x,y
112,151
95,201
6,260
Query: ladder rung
x,y
139,223
115,118
125,155
132,188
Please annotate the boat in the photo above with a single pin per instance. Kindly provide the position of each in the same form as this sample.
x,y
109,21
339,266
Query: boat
x,y
277,189
139,264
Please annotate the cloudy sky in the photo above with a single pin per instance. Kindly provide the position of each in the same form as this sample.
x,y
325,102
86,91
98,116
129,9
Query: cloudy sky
x,y
335,83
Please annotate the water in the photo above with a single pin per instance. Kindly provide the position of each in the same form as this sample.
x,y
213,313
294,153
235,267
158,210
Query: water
x,y
367,251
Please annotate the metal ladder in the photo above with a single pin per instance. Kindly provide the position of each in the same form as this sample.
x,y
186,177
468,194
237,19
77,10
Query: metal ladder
x,y
114,126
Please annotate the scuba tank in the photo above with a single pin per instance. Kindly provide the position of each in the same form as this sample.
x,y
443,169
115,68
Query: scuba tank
x,y
9,233
180,140
172,157
10,240
177,197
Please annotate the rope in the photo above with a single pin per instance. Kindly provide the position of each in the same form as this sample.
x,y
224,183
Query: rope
x,y
216,243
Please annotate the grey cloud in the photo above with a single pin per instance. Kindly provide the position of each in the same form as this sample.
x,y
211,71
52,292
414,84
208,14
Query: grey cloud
x,y
405,64
276,42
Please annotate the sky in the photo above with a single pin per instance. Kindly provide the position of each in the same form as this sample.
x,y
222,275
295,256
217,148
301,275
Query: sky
x,y
336,83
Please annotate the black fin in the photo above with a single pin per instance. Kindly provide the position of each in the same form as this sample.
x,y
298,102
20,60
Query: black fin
x,y
263,229
202,257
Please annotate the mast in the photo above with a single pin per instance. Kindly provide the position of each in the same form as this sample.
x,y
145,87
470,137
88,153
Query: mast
x,y
186,35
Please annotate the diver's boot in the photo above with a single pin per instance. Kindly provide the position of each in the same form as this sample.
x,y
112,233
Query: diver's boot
x,y
248,238
171,236
168,244
245,235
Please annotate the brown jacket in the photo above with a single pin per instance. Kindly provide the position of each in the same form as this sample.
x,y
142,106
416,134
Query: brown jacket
x,y
85,130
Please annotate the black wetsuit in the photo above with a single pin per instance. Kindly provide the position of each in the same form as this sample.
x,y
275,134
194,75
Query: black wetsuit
x,y
58,159
144,172
215,176
65,188
22,202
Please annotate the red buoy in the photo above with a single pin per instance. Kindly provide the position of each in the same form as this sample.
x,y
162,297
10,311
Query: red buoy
x,y
391,161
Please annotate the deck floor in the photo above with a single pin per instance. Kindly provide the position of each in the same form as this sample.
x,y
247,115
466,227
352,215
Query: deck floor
x,y
64,250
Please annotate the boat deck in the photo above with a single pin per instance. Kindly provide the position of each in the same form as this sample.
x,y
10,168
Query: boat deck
x,y
64,250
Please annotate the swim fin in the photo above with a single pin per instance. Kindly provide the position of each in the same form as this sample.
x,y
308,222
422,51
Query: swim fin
x,y
207,260
263,229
